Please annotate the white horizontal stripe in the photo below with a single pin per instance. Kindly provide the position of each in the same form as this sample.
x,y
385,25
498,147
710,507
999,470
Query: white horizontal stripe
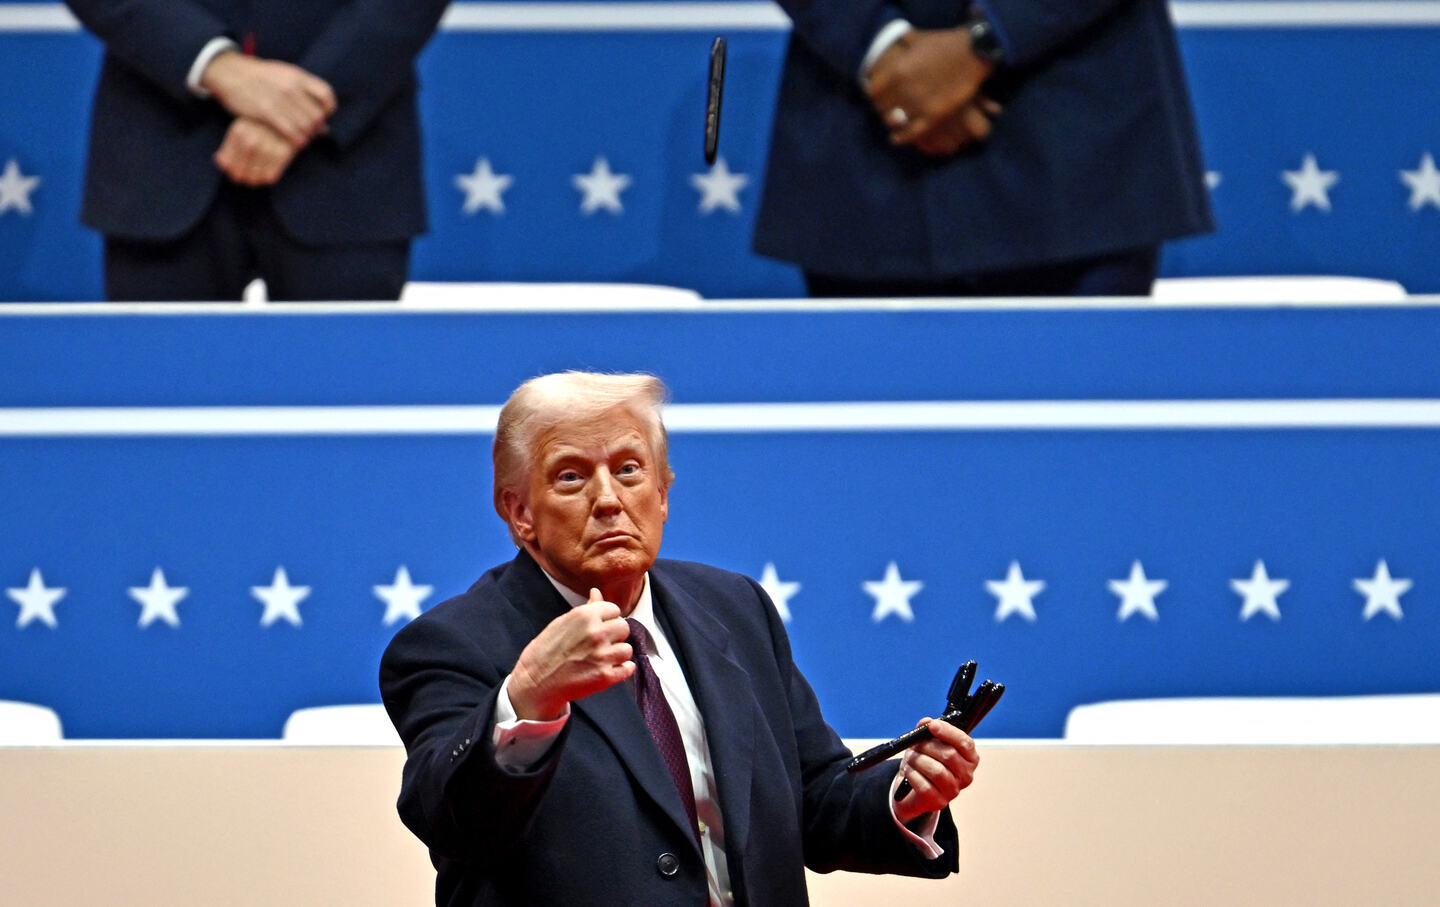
x,y
1319,14
614,16
247,420
765,16
1052,414
738,418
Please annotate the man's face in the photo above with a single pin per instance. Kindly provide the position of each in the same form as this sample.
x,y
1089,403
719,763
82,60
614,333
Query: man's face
x,y
594,506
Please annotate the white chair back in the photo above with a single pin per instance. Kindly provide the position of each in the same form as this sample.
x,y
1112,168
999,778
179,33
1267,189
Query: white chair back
x,y
22,723
1259,720
541,296
340,725
1273,290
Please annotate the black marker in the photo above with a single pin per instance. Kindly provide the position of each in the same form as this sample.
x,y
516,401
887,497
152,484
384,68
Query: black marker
x,y
715,88
960,710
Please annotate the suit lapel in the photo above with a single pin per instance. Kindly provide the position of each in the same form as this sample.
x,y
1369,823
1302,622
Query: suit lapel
x,y
721,688
614,714
531,595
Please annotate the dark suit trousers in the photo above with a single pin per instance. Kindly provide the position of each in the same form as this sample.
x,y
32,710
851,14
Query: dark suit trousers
x,y
1128,273
240,239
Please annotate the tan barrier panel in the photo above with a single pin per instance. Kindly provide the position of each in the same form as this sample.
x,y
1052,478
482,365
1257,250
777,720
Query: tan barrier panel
x,y
152,826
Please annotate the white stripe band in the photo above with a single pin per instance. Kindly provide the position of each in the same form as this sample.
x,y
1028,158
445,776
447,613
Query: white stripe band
x,y
738,418
765,16
1318,14
678,16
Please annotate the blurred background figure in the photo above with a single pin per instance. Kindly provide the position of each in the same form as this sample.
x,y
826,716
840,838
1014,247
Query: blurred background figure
x,y
267,139
1010,147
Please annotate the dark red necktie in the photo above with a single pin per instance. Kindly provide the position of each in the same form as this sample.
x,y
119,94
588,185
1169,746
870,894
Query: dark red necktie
x,y
661,720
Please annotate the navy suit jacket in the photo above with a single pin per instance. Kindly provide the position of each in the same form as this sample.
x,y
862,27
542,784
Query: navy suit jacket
x,y
589,824
1095,151
149,173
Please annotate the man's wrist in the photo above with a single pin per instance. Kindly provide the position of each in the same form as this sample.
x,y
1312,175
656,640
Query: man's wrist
x,y
526,704
195,79
521,743
884,39
920,829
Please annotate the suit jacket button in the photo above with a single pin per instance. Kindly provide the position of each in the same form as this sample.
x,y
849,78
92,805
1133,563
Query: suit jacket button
x,y
668,864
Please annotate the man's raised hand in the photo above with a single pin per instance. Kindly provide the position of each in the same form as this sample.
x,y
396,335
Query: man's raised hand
x,y
578,653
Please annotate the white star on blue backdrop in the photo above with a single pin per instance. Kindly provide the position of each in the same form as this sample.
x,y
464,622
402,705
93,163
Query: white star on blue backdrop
x,y
719,188
483,188
601,188
1382,593
1424,183
1137,594
158,600
15,189
402,598
36,601
281,600
892,595
1310,185
1016,594
1260,593
779,591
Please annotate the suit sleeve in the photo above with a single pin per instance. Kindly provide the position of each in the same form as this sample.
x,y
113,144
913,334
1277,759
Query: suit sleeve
x,y
367,53
840,32
1032,30
159,39
846,819
440,692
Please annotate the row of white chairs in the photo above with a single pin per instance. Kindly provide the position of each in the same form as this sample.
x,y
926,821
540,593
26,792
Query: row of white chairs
x,y
1393,719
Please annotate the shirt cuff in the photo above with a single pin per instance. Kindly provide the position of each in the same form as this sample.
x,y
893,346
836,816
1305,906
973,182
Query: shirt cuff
x,y
923,837
212,49
521,742
893,31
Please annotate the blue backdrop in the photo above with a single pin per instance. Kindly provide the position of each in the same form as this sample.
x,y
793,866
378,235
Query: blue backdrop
x,y
95,500
1360,97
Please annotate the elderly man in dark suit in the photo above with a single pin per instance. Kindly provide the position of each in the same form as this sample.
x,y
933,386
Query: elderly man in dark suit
x,y
233,139
590,725
1007,147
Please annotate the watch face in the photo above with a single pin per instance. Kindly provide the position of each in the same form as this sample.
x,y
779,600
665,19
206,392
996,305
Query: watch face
x,y
983,41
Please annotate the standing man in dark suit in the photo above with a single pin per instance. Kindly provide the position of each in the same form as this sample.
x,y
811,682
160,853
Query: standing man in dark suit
x,y
1007,147
234,139
591,725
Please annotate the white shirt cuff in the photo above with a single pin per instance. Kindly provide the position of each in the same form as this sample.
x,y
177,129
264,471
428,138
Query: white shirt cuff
x,y
924,838
212,49
887,36
521,742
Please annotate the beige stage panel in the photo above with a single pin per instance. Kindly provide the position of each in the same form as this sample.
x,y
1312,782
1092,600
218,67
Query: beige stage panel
x,y
1050,823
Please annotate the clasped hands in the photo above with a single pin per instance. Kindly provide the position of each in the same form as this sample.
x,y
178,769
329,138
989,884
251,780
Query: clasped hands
x,y
926,89
279,108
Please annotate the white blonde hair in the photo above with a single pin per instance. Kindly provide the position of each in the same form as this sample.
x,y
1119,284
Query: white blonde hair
x,y
550,400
